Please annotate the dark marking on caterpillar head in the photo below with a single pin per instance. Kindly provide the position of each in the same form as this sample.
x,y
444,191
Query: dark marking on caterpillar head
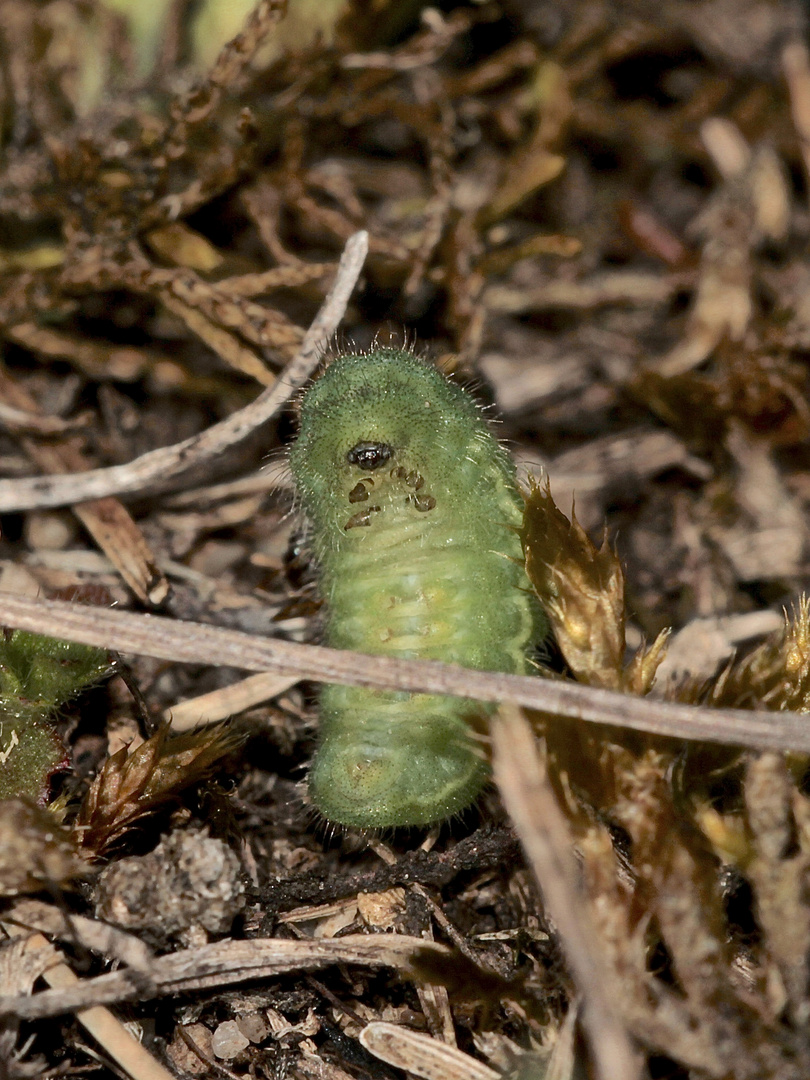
x,y
370,455
423,503
358,493
413,478
361,518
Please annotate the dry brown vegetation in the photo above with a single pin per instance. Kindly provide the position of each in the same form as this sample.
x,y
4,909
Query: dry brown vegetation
x,y
597,212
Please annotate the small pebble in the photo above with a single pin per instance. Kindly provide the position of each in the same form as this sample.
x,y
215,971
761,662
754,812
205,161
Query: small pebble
x,y
50,530
228,1041
253,1027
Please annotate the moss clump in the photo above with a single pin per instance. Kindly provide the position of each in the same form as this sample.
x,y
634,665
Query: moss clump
x,y
37,676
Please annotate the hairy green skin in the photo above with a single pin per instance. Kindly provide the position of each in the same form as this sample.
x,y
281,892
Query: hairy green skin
x,y
414,509
38,675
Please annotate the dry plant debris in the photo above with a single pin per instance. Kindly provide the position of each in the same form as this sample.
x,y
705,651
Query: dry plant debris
x,y
596,211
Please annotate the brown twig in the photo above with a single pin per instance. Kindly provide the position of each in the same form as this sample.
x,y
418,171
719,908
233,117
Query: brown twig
x,y
25,422
229,962
796,69
548,843
195,643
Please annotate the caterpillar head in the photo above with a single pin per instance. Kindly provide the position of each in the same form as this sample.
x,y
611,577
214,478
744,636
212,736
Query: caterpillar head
x,y
376,428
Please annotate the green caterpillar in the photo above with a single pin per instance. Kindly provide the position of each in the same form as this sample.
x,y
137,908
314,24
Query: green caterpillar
x,y
413,509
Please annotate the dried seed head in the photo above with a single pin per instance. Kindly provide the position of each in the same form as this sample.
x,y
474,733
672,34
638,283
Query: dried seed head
x,y
775,676
133,785
582,590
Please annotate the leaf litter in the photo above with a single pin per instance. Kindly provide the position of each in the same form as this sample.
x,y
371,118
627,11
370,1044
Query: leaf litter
x,y
596,211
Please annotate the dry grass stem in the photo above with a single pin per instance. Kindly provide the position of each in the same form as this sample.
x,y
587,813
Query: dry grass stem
x,y
226,963
97,936
228,701
108,1031
185,642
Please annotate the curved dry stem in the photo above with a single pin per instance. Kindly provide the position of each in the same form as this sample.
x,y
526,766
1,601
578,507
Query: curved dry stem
x,y
162,467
